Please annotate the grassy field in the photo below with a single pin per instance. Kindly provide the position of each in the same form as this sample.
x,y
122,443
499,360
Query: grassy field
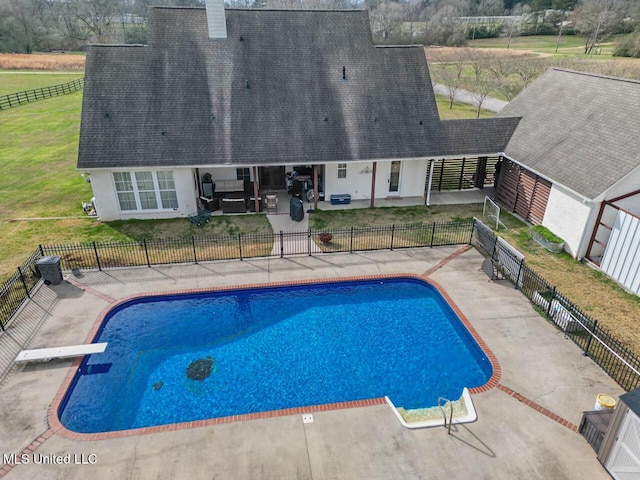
x,y
61,62
546,45
12,82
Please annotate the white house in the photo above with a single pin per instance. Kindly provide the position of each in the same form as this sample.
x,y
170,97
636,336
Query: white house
x,y
246,96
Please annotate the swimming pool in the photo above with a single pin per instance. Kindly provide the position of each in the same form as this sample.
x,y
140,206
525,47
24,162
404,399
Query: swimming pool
x,y
180,358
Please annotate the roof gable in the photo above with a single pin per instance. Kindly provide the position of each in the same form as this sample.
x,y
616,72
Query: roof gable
x,y
272,92
579,130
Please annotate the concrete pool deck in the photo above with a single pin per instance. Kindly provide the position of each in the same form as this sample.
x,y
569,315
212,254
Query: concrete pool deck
x,y
525,426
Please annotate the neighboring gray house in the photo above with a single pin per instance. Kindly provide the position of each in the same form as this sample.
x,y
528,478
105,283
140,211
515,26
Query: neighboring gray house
x,y
248,95
573,164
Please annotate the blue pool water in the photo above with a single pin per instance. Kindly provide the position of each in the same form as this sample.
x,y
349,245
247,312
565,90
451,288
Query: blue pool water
x,y
269,349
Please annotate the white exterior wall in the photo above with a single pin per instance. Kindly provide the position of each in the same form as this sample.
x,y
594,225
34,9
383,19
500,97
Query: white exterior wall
x,y
358,181
621,259
413,177
108,209
569,218
628,184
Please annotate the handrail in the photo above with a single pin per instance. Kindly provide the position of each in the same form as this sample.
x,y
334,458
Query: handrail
x,y
446,400
27,96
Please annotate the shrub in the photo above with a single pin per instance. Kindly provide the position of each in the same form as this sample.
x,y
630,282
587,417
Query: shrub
x,y
547,234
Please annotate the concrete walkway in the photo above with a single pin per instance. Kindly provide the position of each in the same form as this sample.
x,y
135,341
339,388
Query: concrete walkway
x,y
543,374
492,104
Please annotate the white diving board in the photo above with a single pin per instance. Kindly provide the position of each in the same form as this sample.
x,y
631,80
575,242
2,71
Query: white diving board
x,y
43,354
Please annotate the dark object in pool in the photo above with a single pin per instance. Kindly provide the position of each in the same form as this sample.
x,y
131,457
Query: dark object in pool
x,y
200,369
158,385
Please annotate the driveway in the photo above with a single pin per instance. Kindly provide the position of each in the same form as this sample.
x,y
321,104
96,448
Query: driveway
x,y
492,104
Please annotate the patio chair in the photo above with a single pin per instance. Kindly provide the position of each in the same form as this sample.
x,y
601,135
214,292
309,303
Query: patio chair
x,y
272,203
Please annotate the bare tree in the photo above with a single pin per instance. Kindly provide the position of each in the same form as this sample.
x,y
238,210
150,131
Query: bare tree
x,y
511,29
479,90
385,18
528,69
597,19
447,76
502,68
91,20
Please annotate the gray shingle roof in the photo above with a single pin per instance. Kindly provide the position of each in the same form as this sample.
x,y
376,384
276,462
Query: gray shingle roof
x,y
579,130
272,92
478,136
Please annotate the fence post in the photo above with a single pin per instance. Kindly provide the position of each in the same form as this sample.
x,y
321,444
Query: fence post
x,y
193,245
473,227
493,250
351,241
433,234
553,296
146,252
586,349
24,283
393,231
519,273
95,251
309,241
281,244
240,246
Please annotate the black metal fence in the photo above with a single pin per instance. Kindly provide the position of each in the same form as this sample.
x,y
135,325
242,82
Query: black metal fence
x,y
20,98
595,341
105,255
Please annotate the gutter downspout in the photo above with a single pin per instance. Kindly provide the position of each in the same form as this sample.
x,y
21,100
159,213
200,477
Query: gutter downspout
x,y
373,185
428,196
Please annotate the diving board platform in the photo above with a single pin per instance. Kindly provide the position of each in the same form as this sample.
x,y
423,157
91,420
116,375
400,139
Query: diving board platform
x,y
43,354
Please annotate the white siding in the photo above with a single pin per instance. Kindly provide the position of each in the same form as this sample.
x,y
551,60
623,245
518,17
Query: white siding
x,y
568,217
621,259
107,201
413,178
358,180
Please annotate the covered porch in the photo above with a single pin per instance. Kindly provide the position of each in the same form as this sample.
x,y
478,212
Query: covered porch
x,y
365,184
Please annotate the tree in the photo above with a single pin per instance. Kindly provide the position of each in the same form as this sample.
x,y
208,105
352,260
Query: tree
x,y
91,20
528,69
446,76
510,29
479,90
385,18
630,46
597,19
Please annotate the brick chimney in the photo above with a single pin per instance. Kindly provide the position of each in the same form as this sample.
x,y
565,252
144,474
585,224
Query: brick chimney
x,y
216,19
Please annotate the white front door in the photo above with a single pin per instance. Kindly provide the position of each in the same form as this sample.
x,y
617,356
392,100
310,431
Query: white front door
x,y
624,462
394,178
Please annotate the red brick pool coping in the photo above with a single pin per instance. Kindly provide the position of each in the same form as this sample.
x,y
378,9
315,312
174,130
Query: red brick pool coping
x,y
57,427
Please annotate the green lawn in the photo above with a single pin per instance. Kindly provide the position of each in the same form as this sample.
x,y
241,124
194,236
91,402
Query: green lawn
x,y
459,110
12,82
570,45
